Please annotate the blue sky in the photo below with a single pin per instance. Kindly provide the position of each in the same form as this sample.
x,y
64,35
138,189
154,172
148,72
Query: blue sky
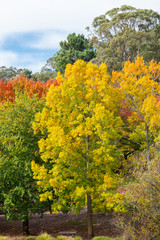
x,y
30,30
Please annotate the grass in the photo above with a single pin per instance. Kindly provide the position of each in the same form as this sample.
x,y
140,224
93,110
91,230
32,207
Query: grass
x,y
43,236
46,236
106,238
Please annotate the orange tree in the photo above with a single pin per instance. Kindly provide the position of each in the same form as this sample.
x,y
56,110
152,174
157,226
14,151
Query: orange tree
x,y
81,131
138,90
31,87
6,91
9,89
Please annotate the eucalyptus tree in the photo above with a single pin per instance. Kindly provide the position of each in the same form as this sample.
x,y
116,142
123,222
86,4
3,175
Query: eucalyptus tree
x,y
122,33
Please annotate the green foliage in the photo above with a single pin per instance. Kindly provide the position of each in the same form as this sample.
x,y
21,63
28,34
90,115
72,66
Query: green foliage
x,y
27,73
78,238
123,32
47,72
4,238
68,238
18,147
7,73
44,236
106,238
74,48
30,238
11,72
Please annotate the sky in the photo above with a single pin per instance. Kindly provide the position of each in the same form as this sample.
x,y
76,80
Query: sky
x,y
30,30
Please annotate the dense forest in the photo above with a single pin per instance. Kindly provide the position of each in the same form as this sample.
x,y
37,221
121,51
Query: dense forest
x,y
85,131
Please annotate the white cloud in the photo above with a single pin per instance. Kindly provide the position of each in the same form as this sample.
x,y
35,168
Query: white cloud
x,y
55,19
18,60
7,58
30,62
69,16
35,66
48,40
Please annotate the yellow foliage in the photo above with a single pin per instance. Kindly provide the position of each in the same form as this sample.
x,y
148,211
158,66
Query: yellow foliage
x,y
138,91
80,125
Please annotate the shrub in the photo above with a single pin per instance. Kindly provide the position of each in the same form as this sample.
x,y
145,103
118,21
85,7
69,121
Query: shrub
x,y
68,238
105,238
143,197
29,238
44,236
4,238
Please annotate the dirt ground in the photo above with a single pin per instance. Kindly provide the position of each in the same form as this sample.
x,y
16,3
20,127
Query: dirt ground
x,y
57,222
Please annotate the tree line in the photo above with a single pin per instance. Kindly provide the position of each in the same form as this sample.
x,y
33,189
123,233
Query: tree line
x,y
118,35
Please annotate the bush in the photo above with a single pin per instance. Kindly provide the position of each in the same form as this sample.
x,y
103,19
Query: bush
x,y
105,238
143,198
4,238
68,238
29,238
45,236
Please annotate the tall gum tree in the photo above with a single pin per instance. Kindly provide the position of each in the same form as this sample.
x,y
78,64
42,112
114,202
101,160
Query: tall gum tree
x,y
123,32
81,130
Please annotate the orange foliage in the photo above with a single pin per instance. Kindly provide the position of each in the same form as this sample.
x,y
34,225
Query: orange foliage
x,y
6,91
9,89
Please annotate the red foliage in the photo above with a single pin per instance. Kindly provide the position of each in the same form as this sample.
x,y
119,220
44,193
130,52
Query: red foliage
x,y
158,98
6,91
9,89
124,111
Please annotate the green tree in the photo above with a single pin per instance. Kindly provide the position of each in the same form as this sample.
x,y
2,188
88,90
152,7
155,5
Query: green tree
x,y
123,32
7,73
27,73
47,72
74,48
83,129
18,147
11,72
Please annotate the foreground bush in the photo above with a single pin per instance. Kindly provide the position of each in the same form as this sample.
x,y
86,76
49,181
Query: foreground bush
x,y
43,236
28,238
46,236
105,238
4,238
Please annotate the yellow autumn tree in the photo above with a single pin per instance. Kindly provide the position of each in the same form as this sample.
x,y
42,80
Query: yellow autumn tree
x,y
138,88
81,129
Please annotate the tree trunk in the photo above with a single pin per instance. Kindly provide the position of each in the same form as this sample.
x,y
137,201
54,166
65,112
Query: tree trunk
x,y
26,227
89,216
89,201
147,141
